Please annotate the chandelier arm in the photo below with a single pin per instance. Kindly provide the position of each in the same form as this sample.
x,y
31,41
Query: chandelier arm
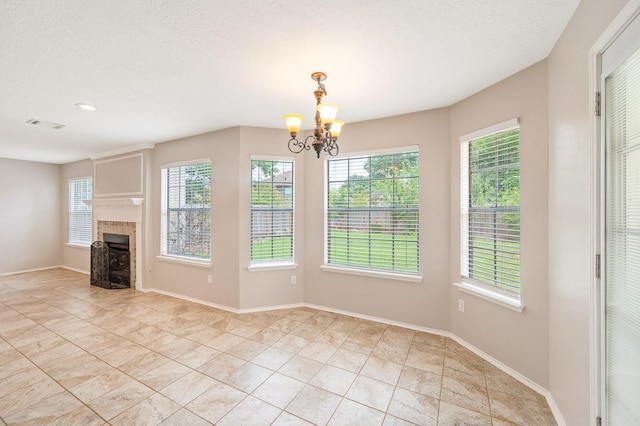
x,y
296,146
332,147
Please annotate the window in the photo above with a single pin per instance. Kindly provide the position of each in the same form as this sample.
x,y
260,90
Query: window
x,y
373,212
271,211
80,214
490,208
186,210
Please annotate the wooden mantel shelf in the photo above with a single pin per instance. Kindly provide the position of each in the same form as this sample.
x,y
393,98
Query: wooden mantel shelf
x,y
115,202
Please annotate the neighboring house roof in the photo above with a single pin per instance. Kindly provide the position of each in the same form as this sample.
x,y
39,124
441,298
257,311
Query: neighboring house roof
x,y
284,177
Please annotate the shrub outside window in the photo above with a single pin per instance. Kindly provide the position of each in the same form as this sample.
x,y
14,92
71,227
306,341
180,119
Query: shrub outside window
x,y
186,210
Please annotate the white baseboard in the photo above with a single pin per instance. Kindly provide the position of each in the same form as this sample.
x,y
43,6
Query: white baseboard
x,y
557,414
378,319
76,270
222,307
45,268
513,373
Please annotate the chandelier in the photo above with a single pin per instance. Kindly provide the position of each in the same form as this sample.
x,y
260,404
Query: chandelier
x,y
325,135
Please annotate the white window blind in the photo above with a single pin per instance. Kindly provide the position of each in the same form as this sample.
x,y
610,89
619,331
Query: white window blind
x,y
80,214
373,211
622,243
271,211
490,209
186,210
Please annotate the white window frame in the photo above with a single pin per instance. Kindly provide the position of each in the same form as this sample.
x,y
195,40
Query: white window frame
x,y
164,254
74,235
271,264
363,271
511,300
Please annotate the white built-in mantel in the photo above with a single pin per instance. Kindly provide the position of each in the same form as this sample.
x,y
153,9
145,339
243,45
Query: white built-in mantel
x,y
121,210
116,209
109,202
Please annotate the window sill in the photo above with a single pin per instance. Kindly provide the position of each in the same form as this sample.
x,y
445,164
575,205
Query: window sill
x,y
375,274
257,267
185,261
491,296
78,245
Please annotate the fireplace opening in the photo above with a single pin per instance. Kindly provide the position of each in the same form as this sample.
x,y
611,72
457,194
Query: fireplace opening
x,y
111,262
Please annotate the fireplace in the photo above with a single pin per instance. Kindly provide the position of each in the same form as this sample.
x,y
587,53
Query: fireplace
x,y
122,216
111,262
119,259
126,231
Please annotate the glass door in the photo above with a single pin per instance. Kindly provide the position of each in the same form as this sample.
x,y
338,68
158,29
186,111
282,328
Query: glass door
x,y
621,273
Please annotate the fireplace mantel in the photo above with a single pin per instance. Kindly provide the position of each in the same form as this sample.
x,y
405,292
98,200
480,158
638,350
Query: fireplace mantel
x,y
117,209
115,202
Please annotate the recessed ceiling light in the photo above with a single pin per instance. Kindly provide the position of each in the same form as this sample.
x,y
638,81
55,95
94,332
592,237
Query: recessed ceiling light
x,y
86,107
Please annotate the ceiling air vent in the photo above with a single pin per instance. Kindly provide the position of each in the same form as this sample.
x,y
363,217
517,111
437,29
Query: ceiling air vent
x,y
46,124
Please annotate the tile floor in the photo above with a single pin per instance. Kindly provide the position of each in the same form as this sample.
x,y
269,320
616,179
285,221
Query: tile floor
x,y
71,354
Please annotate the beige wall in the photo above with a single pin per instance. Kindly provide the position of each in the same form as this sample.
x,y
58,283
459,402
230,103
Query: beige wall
x,y
268,287
420,304
73,256
519,340
222,148
30,215
571,228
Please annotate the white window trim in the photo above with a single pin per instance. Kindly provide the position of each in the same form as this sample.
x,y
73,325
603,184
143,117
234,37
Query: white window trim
x,y
271,266
500,127
372,273
495,295
258,157
381,151
185,260
163,218
490,295
186,163
255,266
78,243
351,269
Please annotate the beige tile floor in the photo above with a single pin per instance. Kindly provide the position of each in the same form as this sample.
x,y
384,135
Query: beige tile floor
x,y
72,354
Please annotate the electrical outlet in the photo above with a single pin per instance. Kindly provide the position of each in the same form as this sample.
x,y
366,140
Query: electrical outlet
x,y
209,279
461,305
293,280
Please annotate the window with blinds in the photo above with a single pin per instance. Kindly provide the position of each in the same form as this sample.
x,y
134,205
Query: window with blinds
x,y
186,210
490,208
622,241
80,214
373,212
271,211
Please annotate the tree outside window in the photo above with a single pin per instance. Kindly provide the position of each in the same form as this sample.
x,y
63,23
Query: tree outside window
x,y
187,210
373,212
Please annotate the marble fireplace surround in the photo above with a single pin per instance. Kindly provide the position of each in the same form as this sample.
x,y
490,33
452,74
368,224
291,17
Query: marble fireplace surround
x,y
121,216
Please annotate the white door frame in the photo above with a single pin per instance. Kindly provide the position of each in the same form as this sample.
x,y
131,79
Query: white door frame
x,y
617,26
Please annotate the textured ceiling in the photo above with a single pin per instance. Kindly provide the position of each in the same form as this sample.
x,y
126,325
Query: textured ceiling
x,y
163,69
